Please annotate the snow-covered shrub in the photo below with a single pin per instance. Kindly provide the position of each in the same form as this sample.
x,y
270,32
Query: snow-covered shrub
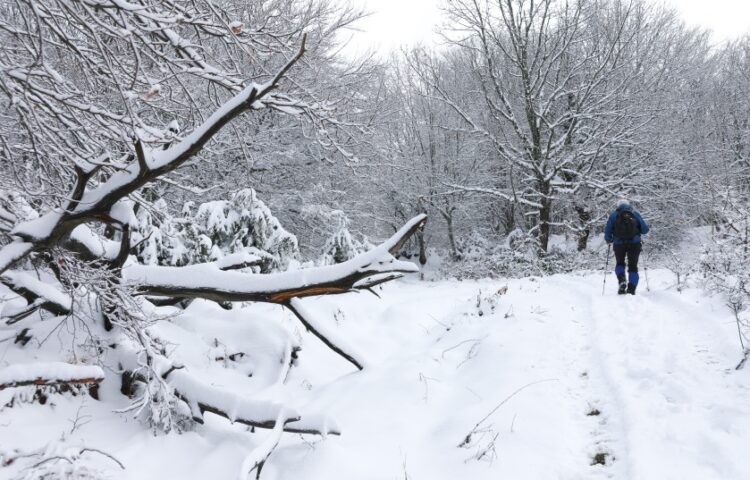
x,y
342,246
213,230
152,242
724,262
517,255
57,461
724,270
156,403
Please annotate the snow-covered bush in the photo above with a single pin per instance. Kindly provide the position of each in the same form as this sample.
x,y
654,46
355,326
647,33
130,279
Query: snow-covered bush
x,y
517,255
59,461
213,230
342,246
153,242
724,270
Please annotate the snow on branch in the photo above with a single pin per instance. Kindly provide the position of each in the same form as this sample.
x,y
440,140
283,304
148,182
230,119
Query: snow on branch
x,y
49,374
209,282
493,192
12,253
333,341
96,204
201,398
238,261
38,294
260,454
90,246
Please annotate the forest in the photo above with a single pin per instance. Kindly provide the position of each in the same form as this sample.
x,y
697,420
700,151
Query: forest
x,y
224,238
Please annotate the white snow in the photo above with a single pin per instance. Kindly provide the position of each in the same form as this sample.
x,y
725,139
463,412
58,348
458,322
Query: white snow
x,y
234,260
534,361
99,246
122,212
12,252
234,405
658,366
41,289
28,372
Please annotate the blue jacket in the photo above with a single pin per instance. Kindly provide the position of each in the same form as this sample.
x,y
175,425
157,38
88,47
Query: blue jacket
x,y
608,230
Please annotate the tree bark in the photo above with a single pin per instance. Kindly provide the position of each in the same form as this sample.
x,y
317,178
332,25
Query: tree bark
x,y
448,216
545,216
584,217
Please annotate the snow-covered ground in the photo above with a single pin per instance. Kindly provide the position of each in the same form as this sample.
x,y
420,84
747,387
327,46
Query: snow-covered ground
x,y
537,378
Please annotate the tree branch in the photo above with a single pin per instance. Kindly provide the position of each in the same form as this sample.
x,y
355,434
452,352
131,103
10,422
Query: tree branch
x,y
49,374
95,204
201,398
37,294
208,282
327,337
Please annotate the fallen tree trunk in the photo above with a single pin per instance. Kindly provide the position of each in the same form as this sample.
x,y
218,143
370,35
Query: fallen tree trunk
x,y
209,282
49,374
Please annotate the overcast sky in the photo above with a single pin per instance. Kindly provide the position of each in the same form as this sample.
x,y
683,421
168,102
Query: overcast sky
x,y
406,22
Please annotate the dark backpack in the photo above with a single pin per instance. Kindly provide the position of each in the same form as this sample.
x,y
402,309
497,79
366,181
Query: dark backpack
x,y
626,225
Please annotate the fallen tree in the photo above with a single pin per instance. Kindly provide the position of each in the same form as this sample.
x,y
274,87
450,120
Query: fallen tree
x,y
100,152
49,374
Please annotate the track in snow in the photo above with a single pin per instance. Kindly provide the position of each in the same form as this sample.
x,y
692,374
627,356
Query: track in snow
x,y
657,367
540,356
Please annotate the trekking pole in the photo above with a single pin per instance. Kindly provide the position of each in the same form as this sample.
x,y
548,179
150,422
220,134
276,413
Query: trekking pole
x,y
645,269
606,268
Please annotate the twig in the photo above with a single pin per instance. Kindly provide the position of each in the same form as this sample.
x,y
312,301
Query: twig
x,y
467,440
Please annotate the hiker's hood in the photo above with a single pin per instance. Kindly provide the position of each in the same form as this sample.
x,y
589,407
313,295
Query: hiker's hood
x,y
624,206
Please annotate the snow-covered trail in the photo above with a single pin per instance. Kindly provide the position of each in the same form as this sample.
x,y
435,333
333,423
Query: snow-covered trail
x,y
612,387
682,404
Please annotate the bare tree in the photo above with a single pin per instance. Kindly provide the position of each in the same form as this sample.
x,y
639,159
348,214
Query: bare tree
x,y
558,81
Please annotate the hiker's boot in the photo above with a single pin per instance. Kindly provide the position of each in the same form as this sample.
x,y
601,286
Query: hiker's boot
x,y
631,289
623,285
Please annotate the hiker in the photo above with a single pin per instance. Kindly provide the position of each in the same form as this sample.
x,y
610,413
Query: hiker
x,y
624,229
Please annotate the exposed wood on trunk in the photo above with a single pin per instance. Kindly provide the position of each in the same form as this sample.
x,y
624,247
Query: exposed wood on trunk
x,y
283,297
355,281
